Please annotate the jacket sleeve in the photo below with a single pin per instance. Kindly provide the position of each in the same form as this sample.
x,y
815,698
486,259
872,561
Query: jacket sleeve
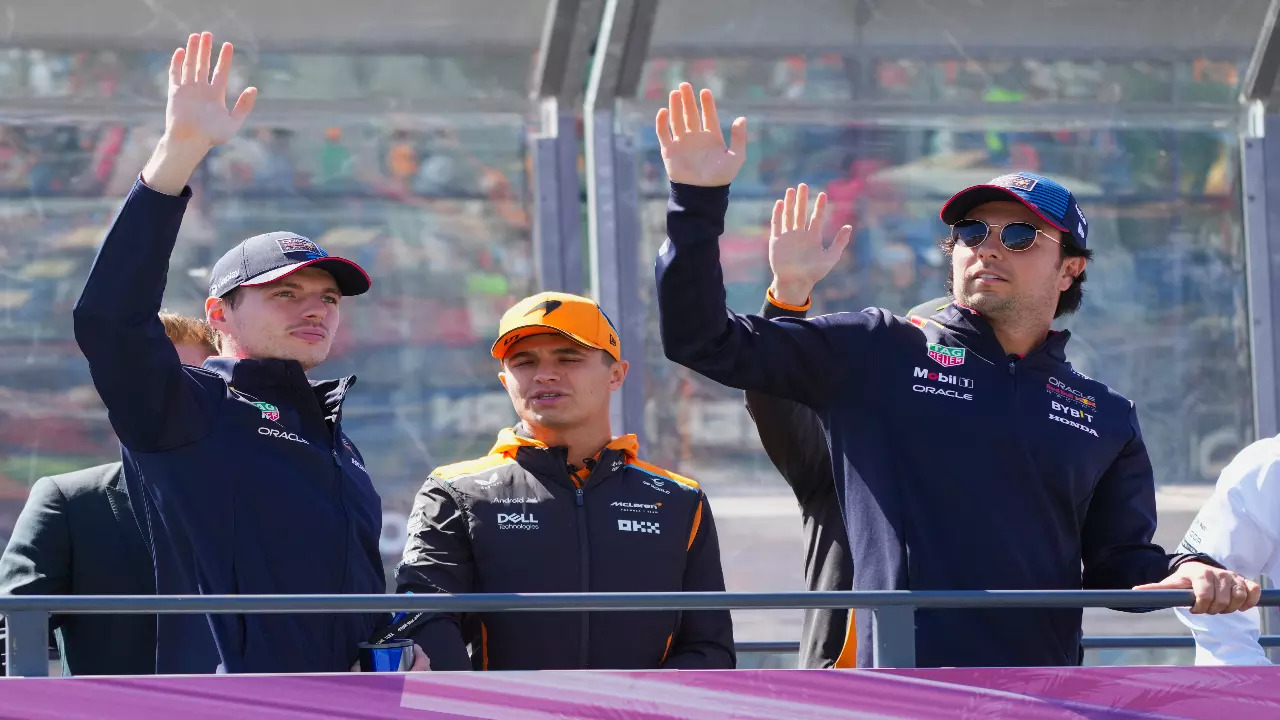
x,y
37,560
1237,527
437,559
812,361
704,640
1120,522
791,433
152,402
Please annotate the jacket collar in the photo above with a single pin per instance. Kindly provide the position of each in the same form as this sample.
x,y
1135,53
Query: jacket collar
x,y
978,335
252,376
553,462
513,438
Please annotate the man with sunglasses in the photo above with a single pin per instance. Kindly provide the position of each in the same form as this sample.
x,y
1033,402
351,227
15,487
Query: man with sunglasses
x,y
967,453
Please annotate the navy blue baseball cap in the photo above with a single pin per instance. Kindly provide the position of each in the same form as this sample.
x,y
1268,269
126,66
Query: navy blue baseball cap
x,y
266,258
1052,202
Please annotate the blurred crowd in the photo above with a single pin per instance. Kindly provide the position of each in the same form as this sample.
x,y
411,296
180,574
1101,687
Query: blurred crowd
x,y
440,215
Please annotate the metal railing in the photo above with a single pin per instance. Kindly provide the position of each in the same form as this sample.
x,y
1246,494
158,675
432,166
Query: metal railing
x,y
892,611
1088,642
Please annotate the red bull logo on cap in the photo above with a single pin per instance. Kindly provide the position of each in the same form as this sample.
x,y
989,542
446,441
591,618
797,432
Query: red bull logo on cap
x,y
302,245
1017,181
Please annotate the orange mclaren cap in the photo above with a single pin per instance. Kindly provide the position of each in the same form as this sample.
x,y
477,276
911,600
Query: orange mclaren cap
x,y
577,318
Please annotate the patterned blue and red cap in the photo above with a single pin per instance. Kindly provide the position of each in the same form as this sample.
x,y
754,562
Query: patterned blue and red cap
x,y
1051,201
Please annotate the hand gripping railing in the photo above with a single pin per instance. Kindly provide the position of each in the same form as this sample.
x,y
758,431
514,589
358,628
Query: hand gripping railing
x,y
893,611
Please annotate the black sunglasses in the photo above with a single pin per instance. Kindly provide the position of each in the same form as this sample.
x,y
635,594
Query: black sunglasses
x,y
1016,236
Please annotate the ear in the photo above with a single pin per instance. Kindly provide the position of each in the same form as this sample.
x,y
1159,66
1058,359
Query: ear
x,y
502,378
617,373
215,312
1071,269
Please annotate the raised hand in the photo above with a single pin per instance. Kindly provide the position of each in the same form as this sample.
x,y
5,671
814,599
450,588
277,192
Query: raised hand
x,y
693,148
196,117
796,253
197,110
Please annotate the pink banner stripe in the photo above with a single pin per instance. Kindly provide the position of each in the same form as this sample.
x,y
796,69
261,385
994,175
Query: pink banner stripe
x,y
1151,693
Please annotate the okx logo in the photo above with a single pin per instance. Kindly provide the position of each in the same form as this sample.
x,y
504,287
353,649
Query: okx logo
x,y
640,526
946,356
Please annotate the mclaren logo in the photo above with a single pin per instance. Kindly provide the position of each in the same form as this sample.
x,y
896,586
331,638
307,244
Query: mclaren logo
x,y
547,306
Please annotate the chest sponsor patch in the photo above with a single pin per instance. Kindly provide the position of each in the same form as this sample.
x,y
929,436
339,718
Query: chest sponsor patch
x,y
1061,390
517,521
640,526
269,411
944,355
943,391
515,501
650,508
656,484
1079,426
282,434
943,378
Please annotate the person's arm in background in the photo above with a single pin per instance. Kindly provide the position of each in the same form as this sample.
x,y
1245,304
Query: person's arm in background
x,y
1237,527
1117,548
791,433
134,366
704,640
37,559
437,559
810,361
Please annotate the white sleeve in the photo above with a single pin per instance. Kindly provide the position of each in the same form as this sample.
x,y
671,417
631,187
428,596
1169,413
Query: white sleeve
x,y
1237,528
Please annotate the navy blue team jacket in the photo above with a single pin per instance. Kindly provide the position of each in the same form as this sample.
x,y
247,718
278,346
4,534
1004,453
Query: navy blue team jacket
x,y
249,485
958,467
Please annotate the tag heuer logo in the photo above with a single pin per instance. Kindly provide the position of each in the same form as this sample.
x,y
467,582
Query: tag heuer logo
x,y
946,356
269,411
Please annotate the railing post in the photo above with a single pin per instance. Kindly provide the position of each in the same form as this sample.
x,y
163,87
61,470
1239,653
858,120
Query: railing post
x,y
893,632
26,643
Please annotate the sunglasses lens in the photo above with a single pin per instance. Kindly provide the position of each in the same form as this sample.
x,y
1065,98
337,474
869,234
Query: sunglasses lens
x,y
1018,236
969,233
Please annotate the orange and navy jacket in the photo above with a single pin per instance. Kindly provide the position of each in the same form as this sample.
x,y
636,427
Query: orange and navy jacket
x,y
522,520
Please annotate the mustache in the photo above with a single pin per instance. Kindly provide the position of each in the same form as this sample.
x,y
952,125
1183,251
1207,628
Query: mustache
x,y
307,326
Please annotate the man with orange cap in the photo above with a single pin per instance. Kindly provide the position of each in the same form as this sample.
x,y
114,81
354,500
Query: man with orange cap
x,y
561,505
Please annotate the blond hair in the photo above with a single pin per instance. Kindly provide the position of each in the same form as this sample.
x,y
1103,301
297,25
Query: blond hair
x,y
186,329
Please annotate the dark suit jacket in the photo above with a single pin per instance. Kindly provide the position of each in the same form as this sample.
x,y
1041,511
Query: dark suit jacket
x,y
78,535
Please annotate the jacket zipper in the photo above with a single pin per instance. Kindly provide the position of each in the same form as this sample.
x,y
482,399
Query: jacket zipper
x,y
346,516
584,647
584,560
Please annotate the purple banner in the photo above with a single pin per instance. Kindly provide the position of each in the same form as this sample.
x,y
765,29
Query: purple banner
x,y
1024,693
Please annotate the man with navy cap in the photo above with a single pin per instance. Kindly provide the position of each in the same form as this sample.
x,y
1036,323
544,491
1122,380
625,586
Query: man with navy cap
x,y
967,453
246,482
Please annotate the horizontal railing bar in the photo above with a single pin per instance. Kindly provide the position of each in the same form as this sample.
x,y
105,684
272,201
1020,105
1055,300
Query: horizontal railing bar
x,y
1090,642
526,602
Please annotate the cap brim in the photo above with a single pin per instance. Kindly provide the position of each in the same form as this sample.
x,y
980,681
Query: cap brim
x,y
351,278
955,209
516,334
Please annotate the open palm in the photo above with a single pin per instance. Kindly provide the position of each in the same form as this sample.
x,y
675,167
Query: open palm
x,y
693,148
197,109
796,253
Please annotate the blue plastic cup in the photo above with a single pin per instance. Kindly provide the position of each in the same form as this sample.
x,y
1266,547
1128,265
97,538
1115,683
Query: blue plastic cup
x,y
392,656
